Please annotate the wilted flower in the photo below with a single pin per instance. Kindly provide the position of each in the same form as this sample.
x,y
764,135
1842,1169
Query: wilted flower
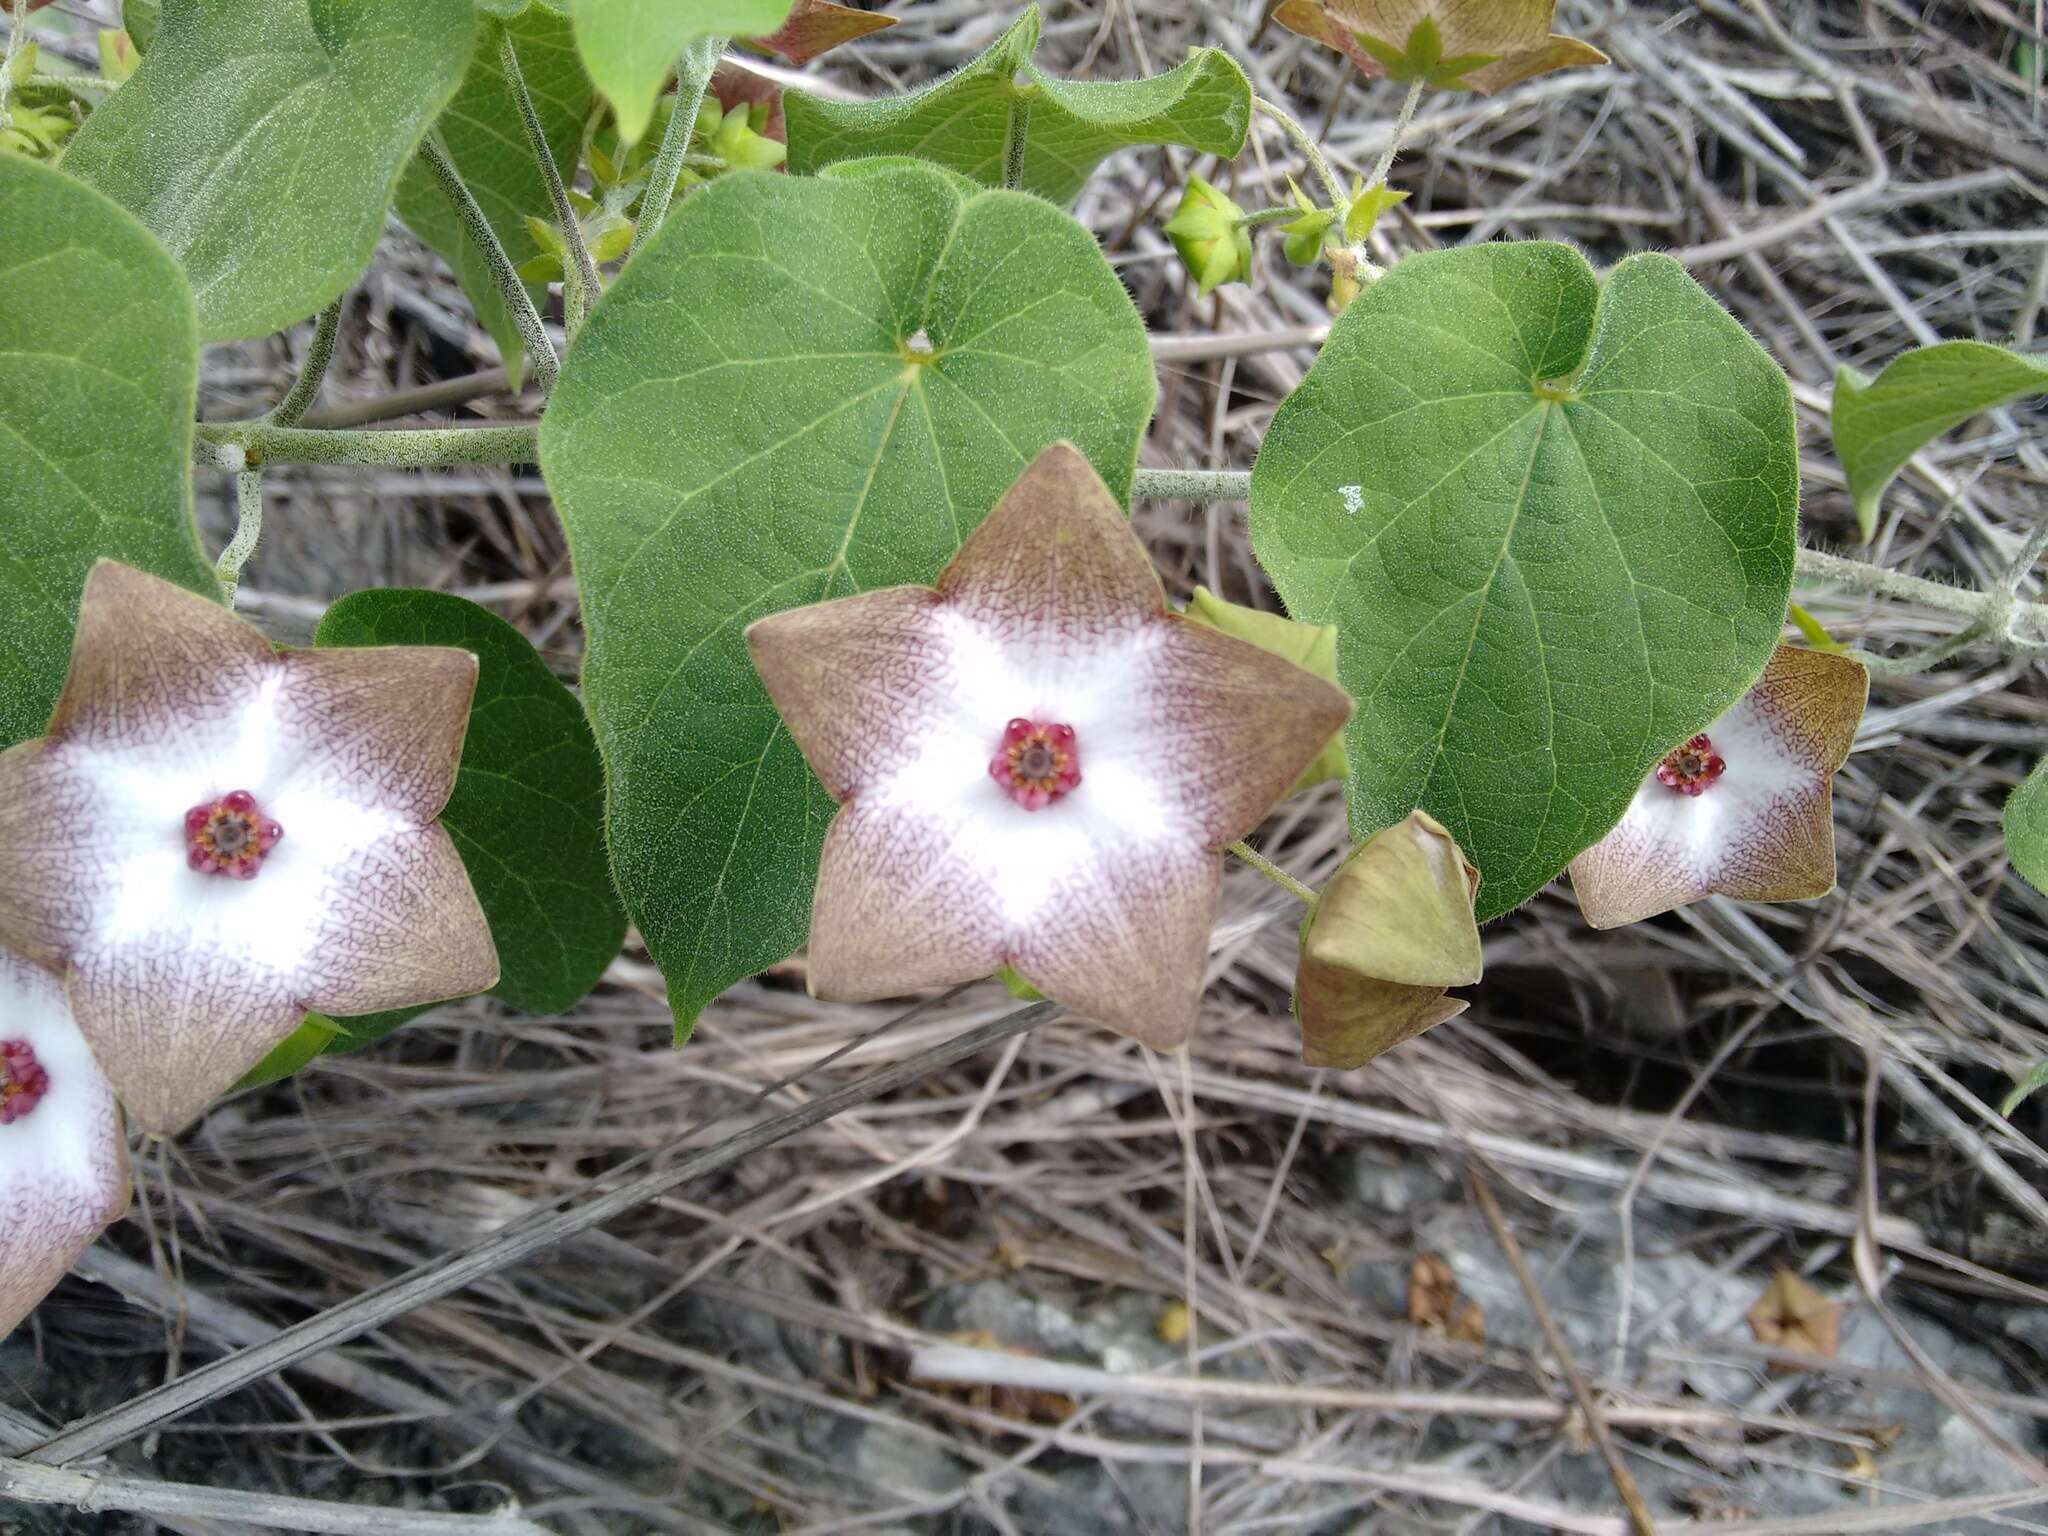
x,y
1390,933
63,1162
1744,809
215,838
1036,763
1479,45
1792,1315
815,27
1209,232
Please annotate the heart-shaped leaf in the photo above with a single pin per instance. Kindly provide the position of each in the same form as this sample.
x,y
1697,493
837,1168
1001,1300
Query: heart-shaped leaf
x,y
1553,523
800,389
482,131
1882,422
99,370
976,118
261,142
630,46
527,814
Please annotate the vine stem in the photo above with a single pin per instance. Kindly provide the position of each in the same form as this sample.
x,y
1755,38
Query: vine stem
x,y
1311,151
582,293
319,352
1272,871
17,28
443,1276
1401,124
694,68
504,276
1016,136
248,529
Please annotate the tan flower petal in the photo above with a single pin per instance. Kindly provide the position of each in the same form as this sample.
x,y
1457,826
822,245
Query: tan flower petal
x,y
851,676
818,26
389,716
1792,1315
63,1163
47,831
1556,52
1764,831
405,928
152,662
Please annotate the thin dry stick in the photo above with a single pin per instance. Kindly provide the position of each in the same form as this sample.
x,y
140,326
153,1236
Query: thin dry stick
x,y
1596,1424
431,1281
94,1492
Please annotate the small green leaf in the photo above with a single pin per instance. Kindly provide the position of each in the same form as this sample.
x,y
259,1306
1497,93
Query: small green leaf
x,y
261,142
1882,422
2026,828
750,421
99,373
2025,1088
964,121
139,18
1553,523
630,46
485,140
315,1036
527,814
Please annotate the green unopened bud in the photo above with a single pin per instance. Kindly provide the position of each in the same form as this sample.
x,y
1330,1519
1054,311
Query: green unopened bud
x,y
742,148
23,64
117,54
1312,647
1389,934
1209,233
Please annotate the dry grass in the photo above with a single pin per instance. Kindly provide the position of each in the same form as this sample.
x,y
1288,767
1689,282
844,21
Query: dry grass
x,y
1849,179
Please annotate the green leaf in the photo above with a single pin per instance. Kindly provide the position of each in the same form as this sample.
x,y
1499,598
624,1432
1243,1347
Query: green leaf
x,y
1553,524
2025,1088
316,1035
1069,126
1882,422
261,142
99,371
630,46
140,18
748,422
482,131
2026,828
527,813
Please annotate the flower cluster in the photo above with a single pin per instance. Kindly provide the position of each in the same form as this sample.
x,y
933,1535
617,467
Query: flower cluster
x,y
159,930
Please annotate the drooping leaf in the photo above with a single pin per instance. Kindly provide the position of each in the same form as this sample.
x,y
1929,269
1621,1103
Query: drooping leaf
x,y
2026,828
482,130
816,27
1553,524
261,142
630,46
965,121
1882,422
749,422
99,373
527,814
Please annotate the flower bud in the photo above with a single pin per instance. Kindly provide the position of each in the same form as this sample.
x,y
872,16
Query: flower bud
x,y
1312,647
1208,231
1392,930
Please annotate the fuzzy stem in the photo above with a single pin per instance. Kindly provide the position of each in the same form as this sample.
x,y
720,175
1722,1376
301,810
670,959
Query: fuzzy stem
x,y
397,448
1016,137
504,276
248,529
1310,150
1192,484
17,29
694,68
319,352
1272,872
1379,172
582,294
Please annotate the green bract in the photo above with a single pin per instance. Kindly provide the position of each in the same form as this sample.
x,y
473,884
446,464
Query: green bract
x,y
630,46
1882,422
1001,101
99,369
527,814
261,142
800,389
1553,523
2026,828
482,132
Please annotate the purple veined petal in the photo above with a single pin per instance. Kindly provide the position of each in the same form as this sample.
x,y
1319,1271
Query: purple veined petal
x,y
63,1162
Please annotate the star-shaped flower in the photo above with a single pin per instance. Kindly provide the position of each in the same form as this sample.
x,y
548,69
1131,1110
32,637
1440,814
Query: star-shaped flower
x,y
1792,1315
63,1162
1036,763
215,837
1479,45
1745,809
